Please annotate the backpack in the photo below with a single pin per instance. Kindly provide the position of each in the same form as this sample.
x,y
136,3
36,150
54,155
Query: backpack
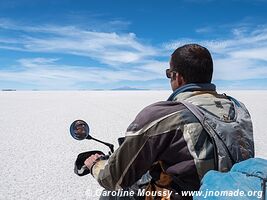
x,y
246,181
232,138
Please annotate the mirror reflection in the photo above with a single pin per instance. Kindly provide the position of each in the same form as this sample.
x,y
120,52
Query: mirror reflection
x,y
79,130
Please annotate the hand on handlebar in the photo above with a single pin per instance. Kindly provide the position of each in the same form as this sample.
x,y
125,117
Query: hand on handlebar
x,y
89,162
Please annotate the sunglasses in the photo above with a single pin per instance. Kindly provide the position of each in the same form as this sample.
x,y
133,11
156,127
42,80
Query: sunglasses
x,y
170,73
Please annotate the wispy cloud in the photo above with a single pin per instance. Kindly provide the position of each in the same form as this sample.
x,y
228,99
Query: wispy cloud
x,y
240,56
204,30
121,56
116,57
49,73
106,47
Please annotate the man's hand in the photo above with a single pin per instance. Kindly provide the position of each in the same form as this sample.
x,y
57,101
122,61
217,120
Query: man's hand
x,y
89,162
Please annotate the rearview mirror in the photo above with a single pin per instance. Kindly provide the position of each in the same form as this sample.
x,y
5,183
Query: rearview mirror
x,y
80,130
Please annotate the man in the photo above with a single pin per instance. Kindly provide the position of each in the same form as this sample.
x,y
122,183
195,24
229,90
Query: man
x,y
166,138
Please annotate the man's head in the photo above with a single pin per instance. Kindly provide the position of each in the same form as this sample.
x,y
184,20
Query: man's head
x,y
190,63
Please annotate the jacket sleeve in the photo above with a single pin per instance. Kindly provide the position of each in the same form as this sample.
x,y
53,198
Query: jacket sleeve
x,y
126,165
139,151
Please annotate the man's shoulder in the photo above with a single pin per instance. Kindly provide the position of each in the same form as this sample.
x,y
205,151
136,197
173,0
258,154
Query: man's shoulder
x,y
155,112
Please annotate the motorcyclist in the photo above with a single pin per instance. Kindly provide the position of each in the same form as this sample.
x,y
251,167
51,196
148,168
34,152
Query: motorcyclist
x,y
166,139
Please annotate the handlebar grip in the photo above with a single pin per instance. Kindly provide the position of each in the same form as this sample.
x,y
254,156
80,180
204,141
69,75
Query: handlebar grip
x,y
105,157
79,168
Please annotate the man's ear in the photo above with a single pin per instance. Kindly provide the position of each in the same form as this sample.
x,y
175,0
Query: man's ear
x,y
180,79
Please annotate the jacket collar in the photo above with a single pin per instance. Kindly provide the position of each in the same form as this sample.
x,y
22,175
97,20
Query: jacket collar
x,y
191,88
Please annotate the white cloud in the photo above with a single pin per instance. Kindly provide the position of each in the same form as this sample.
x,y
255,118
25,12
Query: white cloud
x,y
109,48
49,73
37,62
253,53
123,56
238,69
204,30
242,56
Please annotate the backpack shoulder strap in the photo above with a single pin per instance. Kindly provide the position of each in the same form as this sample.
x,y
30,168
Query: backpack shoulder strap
x,y
199,114
195,110
220,150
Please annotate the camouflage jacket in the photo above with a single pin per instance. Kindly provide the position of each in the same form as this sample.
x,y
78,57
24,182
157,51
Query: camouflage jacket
x,y
165,133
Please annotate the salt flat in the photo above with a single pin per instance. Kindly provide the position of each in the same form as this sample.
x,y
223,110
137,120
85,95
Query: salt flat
x,y
37,152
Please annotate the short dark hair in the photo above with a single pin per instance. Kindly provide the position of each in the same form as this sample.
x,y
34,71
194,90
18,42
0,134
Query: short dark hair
x,y
193,62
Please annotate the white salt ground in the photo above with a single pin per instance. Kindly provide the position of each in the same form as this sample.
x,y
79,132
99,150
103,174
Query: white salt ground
x,y
37,152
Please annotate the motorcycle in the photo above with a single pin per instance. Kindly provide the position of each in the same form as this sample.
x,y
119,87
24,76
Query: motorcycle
x,y
251,172
80,130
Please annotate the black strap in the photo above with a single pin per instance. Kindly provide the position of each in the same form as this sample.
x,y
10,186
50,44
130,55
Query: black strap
x,y
195,110
200,116
263,186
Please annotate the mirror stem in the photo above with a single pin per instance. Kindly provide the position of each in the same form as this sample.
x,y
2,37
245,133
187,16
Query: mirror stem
x,y
111,146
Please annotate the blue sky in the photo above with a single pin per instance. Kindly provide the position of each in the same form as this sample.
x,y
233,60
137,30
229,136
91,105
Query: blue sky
x,y
76,45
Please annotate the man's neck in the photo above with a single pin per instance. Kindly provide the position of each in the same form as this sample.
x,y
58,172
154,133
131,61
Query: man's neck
x,y
192,87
